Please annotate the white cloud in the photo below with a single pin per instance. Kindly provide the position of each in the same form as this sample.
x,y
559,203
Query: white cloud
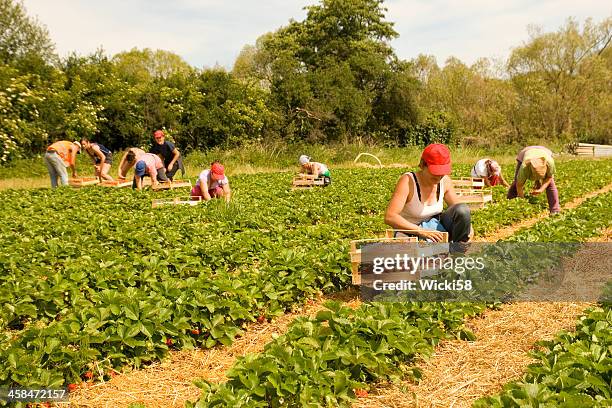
x,y
205,32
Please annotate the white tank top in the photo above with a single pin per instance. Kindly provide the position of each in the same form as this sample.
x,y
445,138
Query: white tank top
x,y
414,210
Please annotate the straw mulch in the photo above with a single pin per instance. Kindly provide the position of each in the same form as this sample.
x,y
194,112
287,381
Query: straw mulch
x,y
170,383
506,232
457,369
459,372
605,236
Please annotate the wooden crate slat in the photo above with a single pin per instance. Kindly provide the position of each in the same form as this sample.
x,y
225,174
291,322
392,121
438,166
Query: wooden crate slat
x,y
83,181
176,201
473,182
116,183
170,185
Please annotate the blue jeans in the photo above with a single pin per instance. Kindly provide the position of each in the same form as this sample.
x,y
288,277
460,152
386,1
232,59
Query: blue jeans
x,y
456,220
55,166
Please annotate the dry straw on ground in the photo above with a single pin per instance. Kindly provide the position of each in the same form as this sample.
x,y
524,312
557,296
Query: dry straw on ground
x,y
170,383
506,232
457,373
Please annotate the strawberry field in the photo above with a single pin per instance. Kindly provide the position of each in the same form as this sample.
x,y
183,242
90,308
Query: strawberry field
x,y
96,277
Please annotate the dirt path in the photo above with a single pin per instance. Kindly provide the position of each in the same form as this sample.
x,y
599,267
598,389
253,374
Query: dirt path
x,y
506,232
516,327
170,383
459,372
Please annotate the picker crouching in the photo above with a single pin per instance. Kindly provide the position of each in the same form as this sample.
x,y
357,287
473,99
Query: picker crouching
x,y
418,200
212,183
537,164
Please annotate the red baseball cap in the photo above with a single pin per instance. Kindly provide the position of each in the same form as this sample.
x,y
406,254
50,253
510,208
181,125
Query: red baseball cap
x,y
437,157
217,169
158,133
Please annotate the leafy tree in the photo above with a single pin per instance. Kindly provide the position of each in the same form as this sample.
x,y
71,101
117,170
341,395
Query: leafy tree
x,y
22,38
565,77
138,66
327,73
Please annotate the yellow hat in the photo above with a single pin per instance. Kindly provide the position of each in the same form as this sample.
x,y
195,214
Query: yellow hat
x,y
539,166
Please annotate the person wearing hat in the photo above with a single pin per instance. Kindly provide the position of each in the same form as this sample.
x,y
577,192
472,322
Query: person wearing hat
x,y
169,153
128,161
536,163
418,200
212,183
151,165
58,156
318,169
490,171
102,158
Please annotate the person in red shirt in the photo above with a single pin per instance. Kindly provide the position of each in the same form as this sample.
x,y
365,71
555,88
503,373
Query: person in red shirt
x,y
58,156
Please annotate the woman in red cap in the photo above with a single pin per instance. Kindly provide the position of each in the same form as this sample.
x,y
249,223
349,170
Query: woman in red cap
x,y
212,183
418,200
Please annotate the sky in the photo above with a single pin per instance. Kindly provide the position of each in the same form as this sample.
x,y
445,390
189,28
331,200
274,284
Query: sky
x,y
212,32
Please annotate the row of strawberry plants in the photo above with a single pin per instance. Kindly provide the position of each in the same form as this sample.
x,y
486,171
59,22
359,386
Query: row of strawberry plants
x,y
258,380
575,225
136,352
44,254
572,370
327,360
570,185
133,325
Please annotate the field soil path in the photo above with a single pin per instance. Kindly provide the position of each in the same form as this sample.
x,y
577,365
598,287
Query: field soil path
x,y
459,372
504,337
510,230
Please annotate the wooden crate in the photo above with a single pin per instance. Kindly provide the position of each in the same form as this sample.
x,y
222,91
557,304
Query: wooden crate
x,y
170,185
176,201
355,252
116,183
306,181
475,199
83,181
425,250
593,150
390,233
473,183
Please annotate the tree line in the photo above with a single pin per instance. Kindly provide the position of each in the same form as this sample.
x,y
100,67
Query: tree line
x,y
332,77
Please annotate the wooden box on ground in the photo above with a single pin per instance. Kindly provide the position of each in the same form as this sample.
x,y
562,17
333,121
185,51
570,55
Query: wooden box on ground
x,y
176,201
83,181
170,185
356,245
305,181
475,199
116,183
472,183
593,150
